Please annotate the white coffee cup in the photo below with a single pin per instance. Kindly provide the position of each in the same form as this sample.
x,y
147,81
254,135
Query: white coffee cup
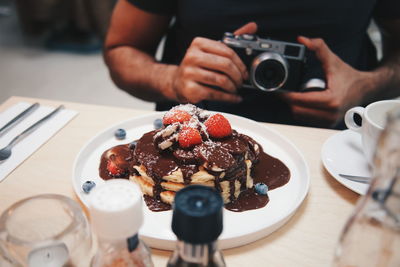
x,y
373,122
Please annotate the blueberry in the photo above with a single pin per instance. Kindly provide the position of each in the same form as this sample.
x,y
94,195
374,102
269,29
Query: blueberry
x,y
261,188
132,145
120,134
88,186
157,123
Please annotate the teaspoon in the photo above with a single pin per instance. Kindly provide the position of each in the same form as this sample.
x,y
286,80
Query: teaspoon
x,y
355,178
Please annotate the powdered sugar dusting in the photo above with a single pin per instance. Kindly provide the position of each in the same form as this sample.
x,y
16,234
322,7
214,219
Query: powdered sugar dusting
x,y
189,108
198,117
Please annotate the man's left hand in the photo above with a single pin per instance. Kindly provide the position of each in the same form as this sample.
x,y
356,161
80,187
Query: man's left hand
x,y
345,89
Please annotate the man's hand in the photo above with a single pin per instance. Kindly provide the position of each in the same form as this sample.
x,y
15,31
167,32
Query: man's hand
x,y
209,64
345,89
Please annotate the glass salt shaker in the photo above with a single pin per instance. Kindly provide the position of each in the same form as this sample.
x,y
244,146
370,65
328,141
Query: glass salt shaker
x,y
371,237
116,216
197,223
46,230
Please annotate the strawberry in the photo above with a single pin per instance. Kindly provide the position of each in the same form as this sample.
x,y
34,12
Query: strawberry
x,y
188,137
176,115
113,169
218,126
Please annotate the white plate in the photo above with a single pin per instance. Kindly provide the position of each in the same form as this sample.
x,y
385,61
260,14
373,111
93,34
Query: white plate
x,y
239,227
342,153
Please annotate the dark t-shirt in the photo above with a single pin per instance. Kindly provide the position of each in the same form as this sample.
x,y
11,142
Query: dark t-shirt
x,y
341,23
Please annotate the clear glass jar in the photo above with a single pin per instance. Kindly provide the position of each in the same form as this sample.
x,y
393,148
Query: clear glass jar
x,y
44,231
371,237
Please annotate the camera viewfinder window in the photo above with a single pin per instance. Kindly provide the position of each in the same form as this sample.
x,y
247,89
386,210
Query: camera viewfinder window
x,y
292,51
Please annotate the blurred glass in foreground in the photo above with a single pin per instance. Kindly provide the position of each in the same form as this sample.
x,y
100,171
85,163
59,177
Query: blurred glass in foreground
x,y
45,231
371,237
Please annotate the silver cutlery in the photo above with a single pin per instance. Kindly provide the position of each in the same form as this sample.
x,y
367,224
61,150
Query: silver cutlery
x,y
5,152
356,178
18,118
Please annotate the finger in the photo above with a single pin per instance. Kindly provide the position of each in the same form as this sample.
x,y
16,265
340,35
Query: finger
x,y
194,92
316,99
218,48
314,117
249,28
211,78
322,51
216,95
218,63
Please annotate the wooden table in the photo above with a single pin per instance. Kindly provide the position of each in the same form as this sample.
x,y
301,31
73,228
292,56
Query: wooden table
x,y
308,239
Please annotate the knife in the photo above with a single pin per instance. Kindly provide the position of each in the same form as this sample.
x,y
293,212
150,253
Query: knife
x,y
18,118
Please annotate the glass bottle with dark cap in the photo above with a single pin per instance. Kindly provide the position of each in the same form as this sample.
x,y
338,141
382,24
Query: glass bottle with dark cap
x,y
197,223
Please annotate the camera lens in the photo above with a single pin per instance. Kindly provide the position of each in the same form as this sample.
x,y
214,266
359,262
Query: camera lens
x,y
270,74
269,71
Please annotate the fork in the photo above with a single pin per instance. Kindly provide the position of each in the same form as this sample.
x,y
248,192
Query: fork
x,y
5,152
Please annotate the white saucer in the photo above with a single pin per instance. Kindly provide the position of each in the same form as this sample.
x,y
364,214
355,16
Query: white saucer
x,y
342,153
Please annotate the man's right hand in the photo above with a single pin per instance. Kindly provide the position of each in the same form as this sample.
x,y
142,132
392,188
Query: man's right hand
x,y
210,63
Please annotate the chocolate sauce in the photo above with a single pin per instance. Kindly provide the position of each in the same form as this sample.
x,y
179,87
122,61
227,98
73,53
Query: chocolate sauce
x,y
227,154
158,163
215,155
270,171
185,156
188,171
122,156
234,144
247,200
155,205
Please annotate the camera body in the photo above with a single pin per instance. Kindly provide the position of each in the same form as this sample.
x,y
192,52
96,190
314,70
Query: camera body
x,y
273,65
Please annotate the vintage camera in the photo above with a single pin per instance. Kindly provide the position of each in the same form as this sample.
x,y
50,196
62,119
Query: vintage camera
x,y
274,65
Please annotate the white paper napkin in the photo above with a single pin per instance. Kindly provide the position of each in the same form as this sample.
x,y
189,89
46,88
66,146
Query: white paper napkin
x,y
35,139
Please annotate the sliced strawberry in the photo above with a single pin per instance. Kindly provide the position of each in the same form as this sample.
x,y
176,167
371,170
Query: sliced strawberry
x,y
218,126
113,168
188,137
176,115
